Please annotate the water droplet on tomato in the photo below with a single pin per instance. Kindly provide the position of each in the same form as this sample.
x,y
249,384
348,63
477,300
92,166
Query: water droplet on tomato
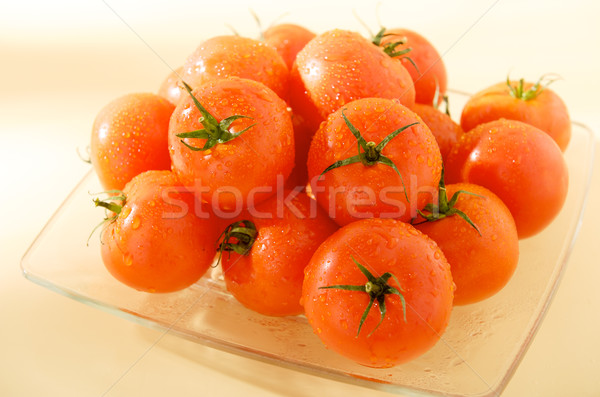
x,y
128,260
136,222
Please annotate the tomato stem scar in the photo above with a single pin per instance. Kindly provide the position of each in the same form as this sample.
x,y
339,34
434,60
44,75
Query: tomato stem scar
x,y
518,90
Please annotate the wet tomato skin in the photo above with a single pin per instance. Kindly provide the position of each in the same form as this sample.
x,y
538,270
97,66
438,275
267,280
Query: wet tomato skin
x,y
357,191
236,56
269,278
381,245
337,67
244,170
129,136
483,260
519,163
158,243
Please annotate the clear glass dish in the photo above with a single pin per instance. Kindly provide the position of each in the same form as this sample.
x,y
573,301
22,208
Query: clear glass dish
x,y
477,355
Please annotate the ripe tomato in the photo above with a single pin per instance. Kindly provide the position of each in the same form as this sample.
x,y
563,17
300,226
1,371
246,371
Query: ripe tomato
x,y
399,326
531,103
267,275
519,163
288,39
226,56
429,75
156,243
365,188
482,257
129,136
237,169
444,129
171,88
338,67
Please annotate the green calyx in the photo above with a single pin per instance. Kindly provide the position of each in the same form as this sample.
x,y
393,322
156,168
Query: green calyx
x,y
369,153
377,288
390,48
113,203
445,208
518,90
237,237
214,132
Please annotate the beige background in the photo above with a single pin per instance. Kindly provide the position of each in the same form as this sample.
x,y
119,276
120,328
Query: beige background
x,y
62,61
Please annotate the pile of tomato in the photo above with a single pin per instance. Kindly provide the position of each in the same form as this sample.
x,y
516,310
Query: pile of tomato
x,y
321,174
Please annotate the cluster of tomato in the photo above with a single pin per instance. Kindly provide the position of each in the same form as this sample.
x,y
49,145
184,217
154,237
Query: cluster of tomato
x,y
314,167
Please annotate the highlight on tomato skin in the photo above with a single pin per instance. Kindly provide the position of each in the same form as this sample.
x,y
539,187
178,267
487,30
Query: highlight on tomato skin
x,y
155,244
519,163
411,324
129,136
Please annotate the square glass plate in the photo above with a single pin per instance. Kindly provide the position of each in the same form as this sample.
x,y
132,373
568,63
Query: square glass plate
x,y
476,356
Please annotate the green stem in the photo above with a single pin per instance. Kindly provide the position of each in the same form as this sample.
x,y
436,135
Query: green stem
x,y
214,132
377,288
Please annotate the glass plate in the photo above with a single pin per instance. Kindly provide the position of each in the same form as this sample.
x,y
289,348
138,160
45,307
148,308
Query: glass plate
x,y
476,356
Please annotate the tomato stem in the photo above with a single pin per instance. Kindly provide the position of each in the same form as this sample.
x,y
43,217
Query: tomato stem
x,y
238,237
377,288
518,90
390,48
113,203
445,207
214,132
369,153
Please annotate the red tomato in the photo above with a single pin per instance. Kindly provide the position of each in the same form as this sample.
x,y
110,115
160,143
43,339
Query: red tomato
x,y
129,136
519,163
338,67
429,75
288,39
375,189
268,276
482,257
171,88
444,129
227,56
530,103
413,319
156,242
239,169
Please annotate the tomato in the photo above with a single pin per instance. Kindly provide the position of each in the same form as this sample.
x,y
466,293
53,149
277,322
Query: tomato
x,y
428,71
267,277
482,249
399,326
531,103
156,242
365,188
171,88
444,129
129,136
230,170
337,67
227,56
288,39
519,163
